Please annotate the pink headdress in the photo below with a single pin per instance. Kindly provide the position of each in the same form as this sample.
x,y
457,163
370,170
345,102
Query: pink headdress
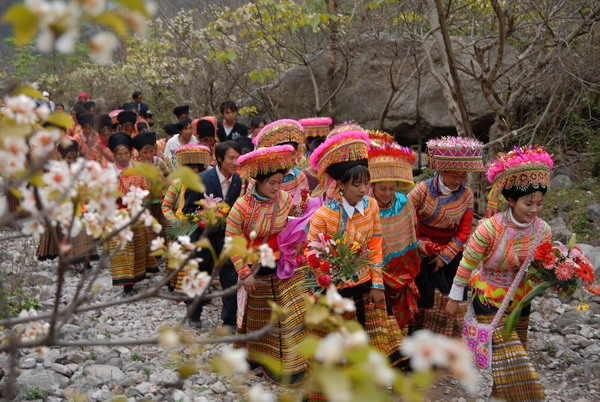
x,y
344,147
316,126
279,132
521,169
455,153
266,160
389,161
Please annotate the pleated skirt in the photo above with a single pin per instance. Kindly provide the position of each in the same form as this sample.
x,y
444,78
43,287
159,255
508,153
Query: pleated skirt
x,y
277,351
131,263
48,248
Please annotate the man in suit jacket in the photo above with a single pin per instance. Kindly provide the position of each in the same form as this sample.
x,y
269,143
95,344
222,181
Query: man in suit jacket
x,y
229,128
225,183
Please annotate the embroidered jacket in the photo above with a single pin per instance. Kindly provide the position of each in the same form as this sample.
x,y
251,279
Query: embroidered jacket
x,y
500,247
252,214
365,229
444,219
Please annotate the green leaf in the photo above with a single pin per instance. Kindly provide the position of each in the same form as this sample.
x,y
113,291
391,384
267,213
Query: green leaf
x,y
188,178
29,91
572,241
316,315
511,321
135,5
308,346
25,23
60,119
145,169
114,21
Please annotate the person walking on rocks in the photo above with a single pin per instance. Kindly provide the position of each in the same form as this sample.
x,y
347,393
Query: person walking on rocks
x,y
390,166
131,262
498,247
260,215
444,208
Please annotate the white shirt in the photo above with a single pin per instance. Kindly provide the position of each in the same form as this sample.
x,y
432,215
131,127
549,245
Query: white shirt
x,y
173,144
225,183
360,207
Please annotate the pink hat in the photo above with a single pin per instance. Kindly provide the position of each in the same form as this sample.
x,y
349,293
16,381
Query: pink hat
x,y
83,94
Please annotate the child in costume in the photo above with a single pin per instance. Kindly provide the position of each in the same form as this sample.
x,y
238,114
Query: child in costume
x,y
498,247
444,206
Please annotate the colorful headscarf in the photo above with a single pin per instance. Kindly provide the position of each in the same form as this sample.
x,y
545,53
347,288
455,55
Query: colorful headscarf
x,y
316,126
456,154
266,160
521,171
391,162
193,154
349,146
346,126
279,132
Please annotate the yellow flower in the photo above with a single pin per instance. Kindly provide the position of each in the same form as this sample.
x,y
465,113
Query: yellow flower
x,y
582,307
355,246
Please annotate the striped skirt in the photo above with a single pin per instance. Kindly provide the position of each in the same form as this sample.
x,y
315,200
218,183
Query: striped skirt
x,y
277,351
434,288
48,248
130,263
515,377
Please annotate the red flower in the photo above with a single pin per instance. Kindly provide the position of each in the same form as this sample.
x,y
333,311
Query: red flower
x,y
334,252
585,272
595,288
542,250
564,271
325,265
326,237
201,224
301,260
314,261
324,280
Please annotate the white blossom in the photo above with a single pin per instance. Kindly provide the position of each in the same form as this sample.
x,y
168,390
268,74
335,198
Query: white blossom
x,y
186,242
267,259
156,227
10,163
102,46
157,244
340,304
258,394
43,142
354,339
380,368
236,359
20,108
331,349
195,285
93,7
33,227
16,146
168,338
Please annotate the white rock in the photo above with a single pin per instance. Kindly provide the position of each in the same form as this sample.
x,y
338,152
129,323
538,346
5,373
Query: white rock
x,y
104,372
219,388
29,363
179,395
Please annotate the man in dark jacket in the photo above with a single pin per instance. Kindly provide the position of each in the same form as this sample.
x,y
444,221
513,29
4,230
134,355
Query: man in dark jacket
x,y
229,128
225,183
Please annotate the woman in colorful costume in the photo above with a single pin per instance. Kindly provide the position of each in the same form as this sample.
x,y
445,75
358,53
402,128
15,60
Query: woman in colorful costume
x,y
285,132
131,262
391,170
315,130
344,158
48,248
264,210
444,208
499,246
100,151
196,157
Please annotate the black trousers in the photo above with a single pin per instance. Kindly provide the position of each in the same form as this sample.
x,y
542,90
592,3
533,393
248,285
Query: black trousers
x,y
228,278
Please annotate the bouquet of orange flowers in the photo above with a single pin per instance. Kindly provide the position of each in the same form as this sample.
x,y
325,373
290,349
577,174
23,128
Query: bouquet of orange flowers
x,y
562,267
335,260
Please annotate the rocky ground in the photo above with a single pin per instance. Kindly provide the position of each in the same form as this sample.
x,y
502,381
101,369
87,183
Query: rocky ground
x,y
563,342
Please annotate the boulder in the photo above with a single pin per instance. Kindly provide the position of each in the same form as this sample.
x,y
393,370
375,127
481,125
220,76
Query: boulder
x,y
561,181
45,380
593,212
104,372
365,92
560,231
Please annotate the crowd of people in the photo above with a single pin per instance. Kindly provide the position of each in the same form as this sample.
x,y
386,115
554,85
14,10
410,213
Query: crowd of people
x,y
293,183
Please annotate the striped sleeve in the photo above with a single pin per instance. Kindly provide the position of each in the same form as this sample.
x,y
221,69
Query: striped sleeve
x,y
475,250
235,219
376,249
168,203
457,242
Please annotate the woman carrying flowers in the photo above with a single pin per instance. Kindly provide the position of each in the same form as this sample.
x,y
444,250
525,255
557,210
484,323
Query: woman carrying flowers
x,y
444,208
260,215
352,219
390,166
499,246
